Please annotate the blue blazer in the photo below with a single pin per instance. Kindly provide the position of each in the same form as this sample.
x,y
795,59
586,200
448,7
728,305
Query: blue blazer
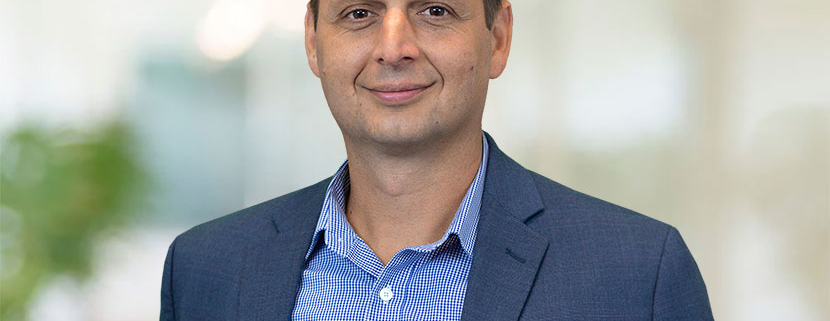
x,y
543,252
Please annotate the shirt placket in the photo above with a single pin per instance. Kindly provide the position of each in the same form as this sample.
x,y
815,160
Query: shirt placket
x,y
388,291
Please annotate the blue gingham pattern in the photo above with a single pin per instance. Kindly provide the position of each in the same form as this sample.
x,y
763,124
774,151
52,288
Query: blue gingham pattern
x,y
344,280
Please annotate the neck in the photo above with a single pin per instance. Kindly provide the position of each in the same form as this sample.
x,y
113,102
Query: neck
x,y
397,200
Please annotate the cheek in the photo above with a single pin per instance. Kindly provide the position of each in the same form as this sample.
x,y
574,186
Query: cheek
x,y
461,72
340,63
343,65
465,73
461,61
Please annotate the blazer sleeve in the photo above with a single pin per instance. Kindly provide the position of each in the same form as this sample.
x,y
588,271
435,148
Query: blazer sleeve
x,y
167,313
680,293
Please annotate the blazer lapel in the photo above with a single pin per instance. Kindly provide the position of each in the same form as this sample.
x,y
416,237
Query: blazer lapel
x,y
273,269
507,253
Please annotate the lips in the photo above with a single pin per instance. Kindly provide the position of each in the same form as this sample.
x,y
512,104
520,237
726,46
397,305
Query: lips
x,y
398,93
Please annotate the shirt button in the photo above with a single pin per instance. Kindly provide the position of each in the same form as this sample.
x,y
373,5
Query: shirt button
x,y
386,294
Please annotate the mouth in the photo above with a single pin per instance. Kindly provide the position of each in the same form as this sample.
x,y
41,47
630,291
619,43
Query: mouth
x,y
398,94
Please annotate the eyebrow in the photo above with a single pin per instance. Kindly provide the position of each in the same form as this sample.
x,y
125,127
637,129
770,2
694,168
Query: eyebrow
x,y
337,6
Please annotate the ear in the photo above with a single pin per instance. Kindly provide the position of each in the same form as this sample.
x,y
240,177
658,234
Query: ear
x,y
311,42
502,34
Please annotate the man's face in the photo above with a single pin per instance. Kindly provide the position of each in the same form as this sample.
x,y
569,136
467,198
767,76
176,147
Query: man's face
x,y
400,72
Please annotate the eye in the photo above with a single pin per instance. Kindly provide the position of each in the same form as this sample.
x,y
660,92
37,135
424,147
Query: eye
x,y
358,14
435,11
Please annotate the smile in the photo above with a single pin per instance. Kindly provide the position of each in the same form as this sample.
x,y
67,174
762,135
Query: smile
x,y
398,94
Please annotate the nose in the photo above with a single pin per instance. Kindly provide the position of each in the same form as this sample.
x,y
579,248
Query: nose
x,y
395,45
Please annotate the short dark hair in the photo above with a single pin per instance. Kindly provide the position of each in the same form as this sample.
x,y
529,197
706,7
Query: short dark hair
x,y
490,9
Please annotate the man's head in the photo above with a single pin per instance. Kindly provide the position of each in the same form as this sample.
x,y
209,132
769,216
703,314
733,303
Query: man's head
x,y
406,72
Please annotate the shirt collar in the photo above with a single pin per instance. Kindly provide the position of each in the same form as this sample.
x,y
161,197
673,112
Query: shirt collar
x,y
340,237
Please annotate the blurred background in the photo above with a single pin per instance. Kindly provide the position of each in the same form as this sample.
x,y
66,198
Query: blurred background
x,y
124,123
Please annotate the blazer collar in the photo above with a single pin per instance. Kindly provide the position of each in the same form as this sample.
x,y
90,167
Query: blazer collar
x,y
506,258
272,271
511,185
508,252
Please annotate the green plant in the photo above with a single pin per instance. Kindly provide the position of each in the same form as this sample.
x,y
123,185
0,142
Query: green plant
x,y
59,191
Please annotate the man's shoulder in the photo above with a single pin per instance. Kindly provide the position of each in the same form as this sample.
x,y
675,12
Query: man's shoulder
x,y
204,265
588,216
255,223
598,250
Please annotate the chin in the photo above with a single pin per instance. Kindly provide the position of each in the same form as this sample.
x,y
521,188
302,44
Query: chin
x,y
397,136
401,130
403,135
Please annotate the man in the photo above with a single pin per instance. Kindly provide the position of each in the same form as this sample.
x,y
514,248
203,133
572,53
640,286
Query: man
x,y
428,219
